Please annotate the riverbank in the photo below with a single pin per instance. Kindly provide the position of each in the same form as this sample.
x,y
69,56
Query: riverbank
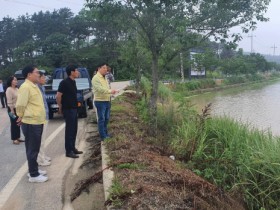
x,y
146,177
204,85
166,172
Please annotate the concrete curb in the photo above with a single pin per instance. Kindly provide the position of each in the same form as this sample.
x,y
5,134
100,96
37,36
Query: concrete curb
x,y
74,166
108,174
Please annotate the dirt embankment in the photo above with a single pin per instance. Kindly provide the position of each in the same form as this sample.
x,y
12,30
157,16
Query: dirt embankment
x,y
145,176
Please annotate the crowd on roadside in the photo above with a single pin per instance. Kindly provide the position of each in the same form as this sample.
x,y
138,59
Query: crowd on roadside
x,y
28,112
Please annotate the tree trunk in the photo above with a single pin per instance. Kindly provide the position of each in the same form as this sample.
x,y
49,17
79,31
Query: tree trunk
x,y
154,96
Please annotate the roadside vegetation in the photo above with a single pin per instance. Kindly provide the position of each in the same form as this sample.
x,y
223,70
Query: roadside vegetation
x,y
145,176
150,41
225,152
206,84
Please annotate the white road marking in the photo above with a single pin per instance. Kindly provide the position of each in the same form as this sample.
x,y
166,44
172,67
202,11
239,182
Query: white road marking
x,y
11,185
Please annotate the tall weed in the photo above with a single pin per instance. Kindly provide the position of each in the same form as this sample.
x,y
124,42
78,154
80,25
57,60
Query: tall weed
x,y
231,155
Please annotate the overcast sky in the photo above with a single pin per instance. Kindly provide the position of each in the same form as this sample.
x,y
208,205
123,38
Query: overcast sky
x,y
15,8
265,37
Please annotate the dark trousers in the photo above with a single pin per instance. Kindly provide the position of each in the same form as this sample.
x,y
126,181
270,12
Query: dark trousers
x,y
3,99
15,129
103,114
71,127
33,135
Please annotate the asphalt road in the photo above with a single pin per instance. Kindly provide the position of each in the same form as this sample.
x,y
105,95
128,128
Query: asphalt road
x,y
15,190
16,193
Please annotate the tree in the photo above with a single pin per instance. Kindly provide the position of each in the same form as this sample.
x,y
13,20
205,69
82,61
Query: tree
x,y
80,29
7,40
55,47
48,23
157,21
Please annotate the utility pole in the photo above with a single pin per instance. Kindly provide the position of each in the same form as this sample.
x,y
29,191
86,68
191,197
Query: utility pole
x,y
274,47
182,69
252,40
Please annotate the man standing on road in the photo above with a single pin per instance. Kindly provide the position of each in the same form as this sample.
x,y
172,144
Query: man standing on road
x,y
32,115
102,95
2,95
66,99
43,159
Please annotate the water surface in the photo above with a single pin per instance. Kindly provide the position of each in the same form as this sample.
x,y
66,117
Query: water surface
x,y
259,105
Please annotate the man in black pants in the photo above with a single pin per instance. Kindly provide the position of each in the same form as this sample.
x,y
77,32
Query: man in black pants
x,y
66,99
2,95
32,115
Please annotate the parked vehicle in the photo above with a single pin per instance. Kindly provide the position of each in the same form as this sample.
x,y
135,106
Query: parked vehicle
x,y
84,86
20,78
84,94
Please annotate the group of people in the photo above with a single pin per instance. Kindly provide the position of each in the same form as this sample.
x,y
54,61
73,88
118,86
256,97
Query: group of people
x,y
28,109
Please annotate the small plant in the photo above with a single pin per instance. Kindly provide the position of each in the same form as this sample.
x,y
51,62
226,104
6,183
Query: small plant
x,y
132,166
117,193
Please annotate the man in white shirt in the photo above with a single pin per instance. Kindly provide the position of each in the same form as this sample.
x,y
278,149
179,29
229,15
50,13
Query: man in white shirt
x,y
2,95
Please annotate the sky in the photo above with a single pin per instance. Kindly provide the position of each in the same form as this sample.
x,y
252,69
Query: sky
x,y
15,8
267,34
266,38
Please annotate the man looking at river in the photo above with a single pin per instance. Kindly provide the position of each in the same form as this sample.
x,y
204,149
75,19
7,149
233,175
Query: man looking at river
x,y
102,96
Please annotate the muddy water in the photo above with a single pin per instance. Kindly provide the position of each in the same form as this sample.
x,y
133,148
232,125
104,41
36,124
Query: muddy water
x,y
259,105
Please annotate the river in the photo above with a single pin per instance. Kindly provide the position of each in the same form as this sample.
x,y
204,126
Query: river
x,y
257,105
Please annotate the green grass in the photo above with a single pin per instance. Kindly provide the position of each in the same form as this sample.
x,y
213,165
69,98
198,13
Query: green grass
x,y
116,192
228,153
117,108
231,155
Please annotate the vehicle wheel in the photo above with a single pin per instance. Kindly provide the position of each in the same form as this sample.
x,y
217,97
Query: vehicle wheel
x,y
90,103
50,114
83,111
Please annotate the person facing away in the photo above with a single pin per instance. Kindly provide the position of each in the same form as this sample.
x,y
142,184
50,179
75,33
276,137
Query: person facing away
x,y
102,96
43,159
32,116
109,76
66,99
11,95
2,95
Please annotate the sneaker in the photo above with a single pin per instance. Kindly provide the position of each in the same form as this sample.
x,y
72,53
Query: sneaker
x,y
44,163
47,158
41,172
38,179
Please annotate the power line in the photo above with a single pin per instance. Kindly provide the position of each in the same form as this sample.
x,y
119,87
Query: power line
x,y
70,2
252,37
274,47
29,4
